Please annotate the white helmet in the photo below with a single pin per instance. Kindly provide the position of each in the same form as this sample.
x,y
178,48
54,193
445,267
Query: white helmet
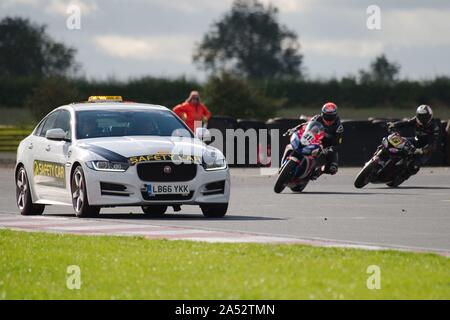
x,y
424,114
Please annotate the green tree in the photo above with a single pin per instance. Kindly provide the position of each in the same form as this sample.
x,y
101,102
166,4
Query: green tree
x,y
228,95
27,50
250,42
382,71
51,93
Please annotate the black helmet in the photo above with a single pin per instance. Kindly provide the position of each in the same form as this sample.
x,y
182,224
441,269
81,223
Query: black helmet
x,y
424,114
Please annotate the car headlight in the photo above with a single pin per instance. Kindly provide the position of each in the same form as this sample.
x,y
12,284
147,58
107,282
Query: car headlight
x,y
108,166
213,161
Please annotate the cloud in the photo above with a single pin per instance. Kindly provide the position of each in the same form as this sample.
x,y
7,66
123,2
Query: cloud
x,y
343,48
289,6
193,6
174,48
12,3
59,7
419,27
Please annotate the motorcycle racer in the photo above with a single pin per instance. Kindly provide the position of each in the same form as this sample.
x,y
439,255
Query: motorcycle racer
x,y
334,132
427,131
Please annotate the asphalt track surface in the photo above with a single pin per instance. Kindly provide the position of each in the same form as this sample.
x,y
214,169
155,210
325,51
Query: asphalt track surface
x,y
414,216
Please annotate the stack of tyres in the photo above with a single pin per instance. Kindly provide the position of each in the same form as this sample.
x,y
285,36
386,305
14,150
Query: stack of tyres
x,y
251,143
438,157
282,125
447,142
361,139
222,123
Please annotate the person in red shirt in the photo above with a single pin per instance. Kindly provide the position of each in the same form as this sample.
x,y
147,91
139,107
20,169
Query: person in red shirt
x,y
192,111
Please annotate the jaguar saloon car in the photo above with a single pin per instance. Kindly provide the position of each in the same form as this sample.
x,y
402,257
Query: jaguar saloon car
x,y
109,153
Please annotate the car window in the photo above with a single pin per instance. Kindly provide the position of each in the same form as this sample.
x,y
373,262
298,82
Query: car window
x,y
63,122
38,130
49,123
100,123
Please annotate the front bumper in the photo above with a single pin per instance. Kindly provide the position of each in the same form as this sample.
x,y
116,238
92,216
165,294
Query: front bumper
x,y
134,192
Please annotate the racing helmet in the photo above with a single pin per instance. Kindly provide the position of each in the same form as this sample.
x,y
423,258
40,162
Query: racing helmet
x,y
329,113
424,114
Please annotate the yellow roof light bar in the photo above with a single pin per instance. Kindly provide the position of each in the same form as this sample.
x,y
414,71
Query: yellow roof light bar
x,y
105,99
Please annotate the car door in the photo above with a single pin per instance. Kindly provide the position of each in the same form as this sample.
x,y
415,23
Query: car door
x,y
54,158
48,168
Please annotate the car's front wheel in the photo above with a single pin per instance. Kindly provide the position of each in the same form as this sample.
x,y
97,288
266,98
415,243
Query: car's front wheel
x,y
23,195
214,210
79,196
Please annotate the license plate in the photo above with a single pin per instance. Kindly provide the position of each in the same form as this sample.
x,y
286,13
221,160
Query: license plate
x,y
155,189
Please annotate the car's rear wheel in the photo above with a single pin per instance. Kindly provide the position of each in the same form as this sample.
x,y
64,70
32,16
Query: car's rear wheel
x,y
154,210
23,196
214,210
79,196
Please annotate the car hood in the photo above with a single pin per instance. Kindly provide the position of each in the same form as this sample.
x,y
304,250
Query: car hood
x,y
121,148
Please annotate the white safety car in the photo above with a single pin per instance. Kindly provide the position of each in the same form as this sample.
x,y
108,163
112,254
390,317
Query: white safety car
x,y
109,153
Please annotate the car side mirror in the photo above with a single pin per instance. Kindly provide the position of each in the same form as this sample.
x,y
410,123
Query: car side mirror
x,y
56,134
203,134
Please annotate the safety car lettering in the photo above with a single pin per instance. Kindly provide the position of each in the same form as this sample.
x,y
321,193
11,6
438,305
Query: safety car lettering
x,y
165,157
49,169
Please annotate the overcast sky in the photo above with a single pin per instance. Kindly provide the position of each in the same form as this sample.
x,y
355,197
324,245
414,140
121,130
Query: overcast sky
x,y
131,38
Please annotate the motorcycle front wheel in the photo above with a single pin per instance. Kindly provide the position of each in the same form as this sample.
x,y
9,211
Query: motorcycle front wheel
x,y
363,177
285,175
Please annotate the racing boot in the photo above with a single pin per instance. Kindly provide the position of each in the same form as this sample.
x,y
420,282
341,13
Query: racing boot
x,y
331,168
317,173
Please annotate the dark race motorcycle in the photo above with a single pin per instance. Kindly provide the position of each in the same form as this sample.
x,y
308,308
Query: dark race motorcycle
x,y
302,159
390,163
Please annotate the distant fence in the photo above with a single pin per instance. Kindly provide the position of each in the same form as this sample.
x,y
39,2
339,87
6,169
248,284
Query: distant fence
x,y
361,138
10,137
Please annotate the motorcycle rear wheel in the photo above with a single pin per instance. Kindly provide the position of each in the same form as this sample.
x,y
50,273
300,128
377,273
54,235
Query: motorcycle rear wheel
x,y
396,182
300,187
363,177
284,176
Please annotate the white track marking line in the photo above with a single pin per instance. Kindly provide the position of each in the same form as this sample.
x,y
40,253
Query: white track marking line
x,y
35,223
245,239
103,227
166,232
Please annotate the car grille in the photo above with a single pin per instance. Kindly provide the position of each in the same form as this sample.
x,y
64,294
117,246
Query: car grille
x,y
168,197
166,171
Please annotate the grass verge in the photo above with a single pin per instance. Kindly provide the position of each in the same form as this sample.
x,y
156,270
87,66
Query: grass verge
x,y
34,266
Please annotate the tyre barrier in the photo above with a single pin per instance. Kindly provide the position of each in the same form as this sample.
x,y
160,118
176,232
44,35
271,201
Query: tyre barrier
x,y
377,120
361,139
438,157
447,141
222,124
252,153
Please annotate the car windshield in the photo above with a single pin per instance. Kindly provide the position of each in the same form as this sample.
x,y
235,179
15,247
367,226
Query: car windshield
x,y
118,123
